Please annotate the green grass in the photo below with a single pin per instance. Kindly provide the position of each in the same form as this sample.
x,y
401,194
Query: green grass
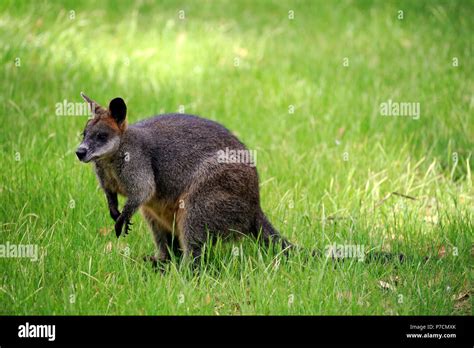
x,y
310,192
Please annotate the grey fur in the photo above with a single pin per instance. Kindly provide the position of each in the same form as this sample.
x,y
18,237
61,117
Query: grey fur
x,y
167,166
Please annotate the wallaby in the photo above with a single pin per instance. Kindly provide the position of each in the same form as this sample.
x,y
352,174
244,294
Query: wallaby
x,y
171,168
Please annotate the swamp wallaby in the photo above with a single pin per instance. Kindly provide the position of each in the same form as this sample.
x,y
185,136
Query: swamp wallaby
x,y
171,168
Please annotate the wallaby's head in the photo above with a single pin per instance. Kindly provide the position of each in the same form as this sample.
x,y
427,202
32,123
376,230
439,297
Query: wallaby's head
x,y
101,137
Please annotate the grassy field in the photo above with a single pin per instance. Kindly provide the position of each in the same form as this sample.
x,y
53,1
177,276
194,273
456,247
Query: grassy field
x,y
302,83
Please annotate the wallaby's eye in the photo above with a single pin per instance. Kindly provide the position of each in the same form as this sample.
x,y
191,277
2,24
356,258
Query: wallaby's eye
x,y
102,136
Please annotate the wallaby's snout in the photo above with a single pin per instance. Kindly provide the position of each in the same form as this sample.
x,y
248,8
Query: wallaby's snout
x,y
81,153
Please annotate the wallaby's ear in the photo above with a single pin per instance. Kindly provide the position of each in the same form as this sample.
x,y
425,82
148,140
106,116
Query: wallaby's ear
x,y
93,106
118,110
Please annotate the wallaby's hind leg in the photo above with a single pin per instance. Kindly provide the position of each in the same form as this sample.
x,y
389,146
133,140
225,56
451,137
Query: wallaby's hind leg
x,y
160,237
214,212
192,239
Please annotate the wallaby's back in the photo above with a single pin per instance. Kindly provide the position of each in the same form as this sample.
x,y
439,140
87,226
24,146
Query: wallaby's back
x,y
180,145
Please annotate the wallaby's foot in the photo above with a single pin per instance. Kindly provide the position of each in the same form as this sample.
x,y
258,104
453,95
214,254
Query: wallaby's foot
x,y
157,263
289,248
286,246
193,254
151,258
119,225
266,233
196,263
278,244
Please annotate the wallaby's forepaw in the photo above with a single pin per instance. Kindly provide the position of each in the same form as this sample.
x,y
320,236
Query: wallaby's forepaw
x,y
119,225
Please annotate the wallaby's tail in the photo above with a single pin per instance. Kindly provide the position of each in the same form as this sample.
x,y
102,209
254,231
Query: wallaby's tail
x,y
264,230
